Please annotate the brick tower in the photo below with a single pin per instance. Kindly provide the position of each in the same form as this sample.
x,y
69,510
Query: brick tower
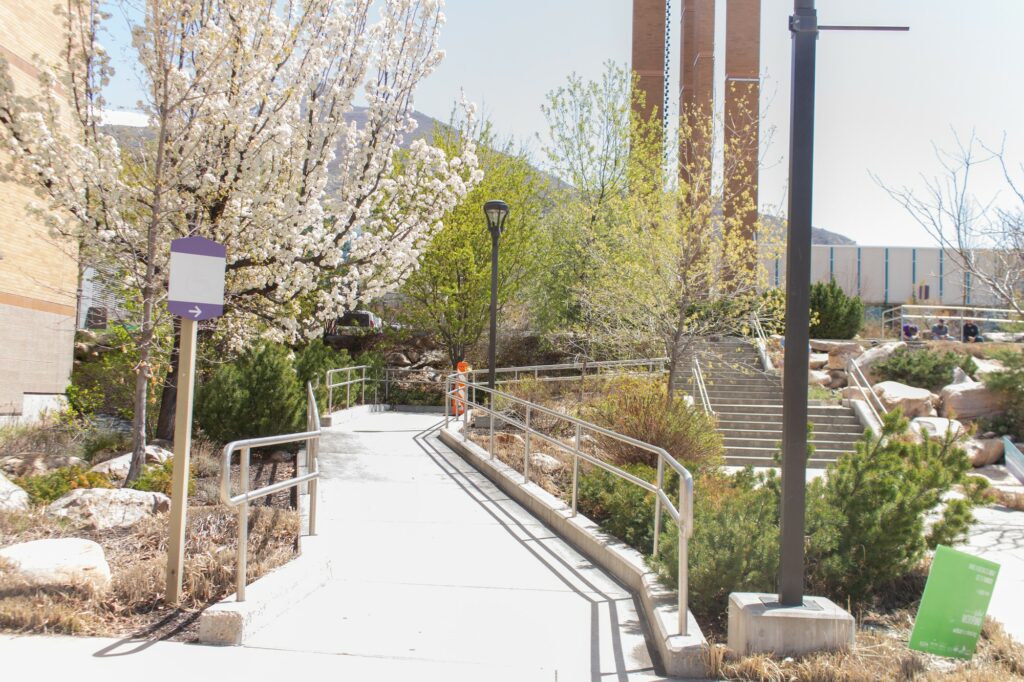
x,y
697,87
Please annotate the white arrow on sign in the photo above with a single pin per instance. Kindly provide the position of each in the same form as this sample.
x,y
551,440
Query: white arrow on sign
x,y
196,312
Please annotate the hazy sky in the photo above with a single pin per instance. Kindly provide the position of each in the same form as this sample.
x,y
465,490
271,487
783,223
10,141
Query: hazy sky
x,y
883,99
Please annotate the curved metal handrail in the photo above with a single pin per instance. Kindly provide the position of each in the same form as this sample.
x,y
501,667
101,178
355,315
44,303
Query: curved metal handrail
x,y
702,390
860,382
241,501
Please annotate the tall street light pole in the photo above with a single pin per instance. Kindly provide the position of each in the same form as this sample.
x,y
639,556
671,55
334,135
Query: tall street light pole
x,y
803,25
496,213
804,28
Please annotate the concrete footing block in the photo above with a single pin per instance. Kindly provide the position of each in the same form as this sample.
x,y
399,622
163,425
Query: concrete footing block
x,y
681,655
759,624
229,622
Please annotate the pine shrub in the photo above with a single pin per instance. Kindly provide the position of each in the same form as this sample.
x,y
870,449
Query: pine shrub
x,y
834,314
1009,385
923,368
258,394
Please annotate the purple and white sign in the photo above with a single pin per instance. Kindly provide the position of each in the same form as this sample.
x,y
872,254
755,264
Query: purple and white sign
x,y
196,286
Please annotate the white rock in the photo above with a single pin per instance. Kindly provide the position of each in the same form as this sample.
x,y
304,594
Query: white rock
x,y
12,497
35,464
875,355
846,347
984,451
986,366
816,377
1004,337
854,393
817,360
960,377
915,402
61,561
544,462
101,508
117,468
936,427
969,401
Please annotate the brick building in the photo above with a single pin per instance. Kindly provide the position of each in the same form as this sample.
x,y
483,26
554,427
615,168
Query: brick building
x,y
38,273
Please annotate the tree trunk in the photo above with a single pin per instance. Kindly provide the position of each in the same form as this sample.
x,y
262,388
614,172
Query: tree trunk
x,y
169,395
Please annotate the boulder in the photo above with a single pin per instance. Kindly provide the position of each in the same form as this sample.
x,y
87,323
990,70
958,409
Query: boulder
x,y
817,360
117,468
936,427
875,355
969,401
915,402
59,562
102,508
984,451
396,359
838,357
960,377
816,377
34,464
837,379
846,347
853,393
12,497
986,366
1004,337
544,462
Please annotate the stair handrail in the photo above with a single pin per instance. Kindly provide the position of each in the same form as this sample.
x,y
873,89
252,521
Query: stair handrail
x,y
860,382
761,342
702,391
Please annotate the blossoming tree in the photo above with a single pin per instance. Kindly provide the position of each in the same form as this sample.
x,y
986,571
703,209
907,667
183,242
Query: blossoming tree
x,y
248,144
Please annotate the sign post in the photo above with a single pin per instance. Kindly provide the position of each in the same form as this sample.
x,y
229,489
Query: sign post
x,y
195,292
953,607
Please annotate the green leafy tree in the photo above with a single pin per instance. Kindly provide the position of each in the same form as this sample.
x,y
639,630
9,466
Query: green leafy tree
x,y
838,316
450,293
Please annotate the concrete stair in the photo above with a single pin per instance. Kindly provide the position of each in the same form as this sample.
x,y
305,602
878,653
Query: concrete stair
x,y
748,405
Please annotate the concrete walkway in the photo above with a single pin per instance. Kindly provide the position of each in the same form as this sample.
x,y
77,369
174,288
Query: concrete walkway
x,y
434,565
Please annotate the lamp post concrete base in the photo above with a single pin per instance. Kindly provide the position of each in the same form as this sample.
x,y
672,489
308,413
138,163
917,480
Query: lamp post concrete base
x,y
759,624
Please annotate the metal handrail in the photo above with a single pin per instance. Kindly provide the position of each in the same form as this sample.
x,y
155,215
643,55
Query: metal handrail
x,y
761,341
348,382
702,391
596,366
241,500
861,383
921,312
681,516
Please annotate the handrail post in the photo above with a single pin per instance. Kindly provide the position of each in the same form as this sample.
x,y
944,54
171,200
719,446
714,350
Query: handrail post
x,y
243,526
348,389
447,399
330,394
575,470
362,386
490,421
526,448
657,503
683,526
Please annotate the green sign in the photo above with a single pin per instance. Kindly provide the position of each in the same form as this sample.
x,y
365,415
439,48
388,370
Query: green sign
x,y
954,603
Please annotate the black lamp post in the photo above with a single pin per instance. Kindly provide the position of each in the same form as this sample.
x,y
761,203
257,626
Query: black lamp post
x,y
496,212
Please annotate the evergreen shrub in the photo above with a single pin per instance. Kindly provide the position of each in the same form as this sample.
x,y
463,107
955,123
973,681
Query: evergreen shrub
x,y
256,395
923,368
1009,385
834,314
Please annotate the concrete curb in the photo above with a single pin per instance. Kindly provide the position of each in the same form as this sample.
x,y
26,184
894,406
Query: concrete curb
x,y
229,622
681,656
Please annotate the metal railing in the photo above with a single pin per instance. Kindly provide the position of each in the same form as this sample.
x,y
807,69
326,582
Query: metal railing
x,y
927,313
702,390
394,378
860,382
651,365
351,377
761,342
682,516
241,501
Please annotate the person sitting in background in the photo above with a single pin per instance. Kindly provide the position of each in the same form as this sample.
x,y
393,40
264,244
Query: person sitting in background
x,y
971,333
910,331
940,332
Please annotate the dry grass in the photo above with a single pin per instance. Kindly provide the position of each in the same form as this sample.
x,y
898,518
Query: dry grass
x,y
137,558
881,654
1007,499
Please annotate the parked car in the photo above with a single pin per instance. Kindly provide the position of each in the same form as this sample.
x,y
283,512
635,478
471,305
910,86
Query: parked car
x,y
356,322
